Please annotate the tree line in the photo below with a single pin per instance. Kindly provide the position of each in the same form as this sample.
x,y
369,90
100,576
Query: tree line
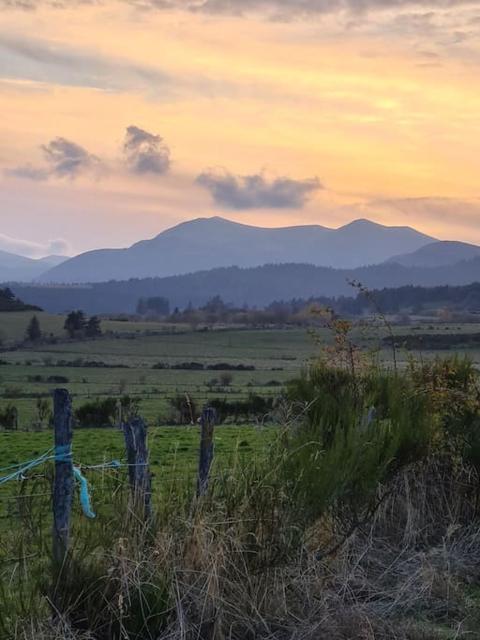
x,y
76,326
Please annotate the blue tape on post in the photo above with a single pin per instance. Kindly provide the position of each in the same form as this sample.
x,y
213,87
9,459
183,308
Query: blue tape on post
x,y
63,453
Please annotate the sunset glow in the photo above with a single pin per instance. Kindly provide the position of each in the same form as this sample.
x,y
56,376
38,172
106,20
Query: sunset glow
x,y
365,114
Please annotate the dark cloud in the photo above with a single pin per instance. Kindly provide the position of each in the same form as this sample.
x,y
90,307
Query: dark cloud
x,y
145,152
256,192
64,159
68,159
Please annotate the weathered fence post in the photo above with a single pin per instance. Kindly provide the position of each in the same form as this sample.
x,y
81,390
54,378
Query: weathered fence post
x,y
119,413
135,432
207,422
64,481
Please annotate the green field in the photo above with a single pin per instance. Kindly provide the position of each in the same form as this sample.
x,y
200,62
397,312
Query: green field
x,y
129,350
26,373
173,453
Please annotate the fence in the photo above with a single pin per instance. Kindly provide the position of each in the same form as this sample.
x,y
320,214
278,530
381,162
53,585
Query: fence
x,y
68,474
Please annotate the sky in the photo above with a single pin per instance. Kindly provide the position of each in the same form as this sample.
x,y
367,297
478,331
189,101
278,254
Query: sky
x,y
120,118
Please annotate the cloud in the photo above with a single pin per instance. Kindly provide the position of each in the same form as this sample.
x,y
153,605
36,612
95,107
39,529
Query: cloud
x,y
68,159
28,171
256,192
46,61
58,246
240,7
450,215
145,152
64,159
299,8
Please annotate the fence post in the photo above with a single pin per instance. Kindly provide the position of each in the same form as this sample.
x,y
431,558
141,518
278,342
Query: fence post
x,y
64,481
135,432
128,435
207,422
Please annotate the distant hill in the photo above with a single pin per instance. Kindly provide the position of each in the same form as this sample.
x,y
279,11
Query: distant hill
x,y
15,267
256,286
208,243
438,254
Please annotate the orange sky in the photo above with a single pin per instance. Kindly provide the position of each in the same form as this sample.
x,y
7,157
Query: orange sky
x,y
334,114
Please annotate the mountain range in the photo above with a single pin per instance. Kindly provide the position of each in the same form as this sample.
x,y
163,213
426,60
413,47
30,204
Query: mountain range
x,y
209,243
21,268
201,258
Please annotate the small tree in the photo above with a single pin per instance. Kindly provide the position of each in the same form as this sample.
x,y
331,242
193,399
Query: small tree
x,y
93,328
9,417
75,324
226,379
34,332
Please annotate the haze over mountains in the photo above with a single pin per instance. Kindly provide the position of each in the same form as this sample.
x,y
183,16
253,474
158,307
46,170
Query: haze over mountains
x,y
15,267
208,243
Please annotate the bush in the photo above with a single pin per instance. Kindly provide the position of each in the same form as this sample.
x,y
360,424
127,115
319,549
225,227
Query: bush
x,y
105,413
58,379
9,417
183,409
355,432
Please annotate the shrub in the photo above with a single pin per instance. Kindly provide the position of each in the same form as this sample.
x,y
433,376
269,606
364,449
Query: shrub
x,y
105,412
183,409
9,417
356,430
58,379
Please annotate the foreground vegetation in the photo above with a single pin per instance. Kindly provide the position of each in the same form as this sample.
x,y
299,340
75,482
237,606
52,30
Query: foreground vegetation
x,y
345,506
359,518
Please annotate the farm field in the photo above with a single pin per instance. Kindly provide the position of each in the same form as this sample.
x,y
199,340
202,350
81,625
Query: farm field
x,y
137,359
173,454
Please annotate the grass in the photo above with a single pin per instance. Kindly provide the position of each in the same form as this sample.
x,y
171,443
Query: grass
x,y
13,325
171,448
276,354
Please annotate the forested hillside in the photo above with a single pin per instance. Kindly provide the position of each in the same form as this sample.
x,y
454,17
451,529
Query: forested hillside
x,y
259,286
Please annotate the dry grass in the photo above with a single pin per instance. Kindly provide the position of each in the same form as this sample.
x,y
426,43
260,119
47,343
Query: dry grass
x,y
410,574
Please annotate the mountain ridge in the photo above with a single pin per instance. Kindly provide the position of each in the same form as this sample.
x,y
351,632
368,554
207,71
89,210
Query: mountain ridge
x,y
17,267
437,254
208,243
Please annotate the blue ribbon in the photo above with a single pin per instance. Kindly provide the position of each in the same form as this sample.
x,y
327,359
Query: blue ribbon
x,y
84,493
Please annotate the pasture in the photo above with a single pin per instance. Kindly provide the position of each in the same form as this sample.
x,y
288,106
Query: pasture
x,y
125,361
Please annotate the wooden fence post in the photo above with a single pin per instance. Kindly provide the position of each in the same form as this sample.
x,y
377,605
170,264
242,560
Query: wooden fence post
x,y
207,422
130,449
64,481
135,432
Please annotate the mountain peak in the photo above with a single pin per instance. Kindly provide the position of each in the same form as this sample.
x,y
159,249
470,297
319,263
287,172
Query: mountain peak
x,y
207,243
